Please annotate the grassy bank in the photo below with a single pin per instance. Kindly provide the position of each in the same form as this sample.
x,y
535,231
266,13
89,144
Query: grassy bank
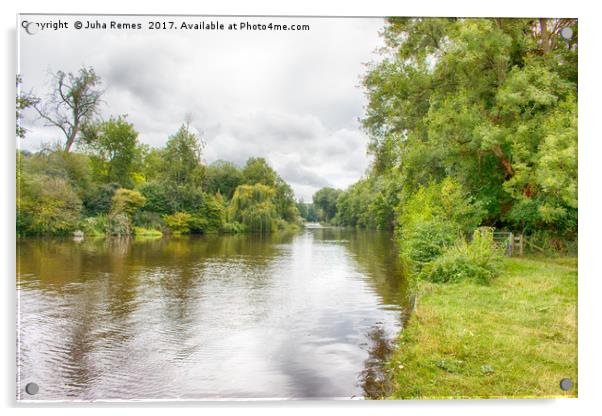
x,y
516,337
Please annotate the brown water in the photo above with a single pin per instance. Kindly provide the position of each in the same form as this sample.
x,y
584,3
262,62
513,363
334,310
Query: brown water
x,y
301,315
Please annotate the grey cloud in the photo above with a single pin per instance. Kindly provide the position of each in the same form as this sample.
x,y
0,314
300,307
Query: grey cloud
x,y
290,97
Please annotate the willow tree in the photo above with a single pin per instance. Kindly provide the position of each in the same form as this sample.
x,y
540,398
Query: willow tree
x,y
253,205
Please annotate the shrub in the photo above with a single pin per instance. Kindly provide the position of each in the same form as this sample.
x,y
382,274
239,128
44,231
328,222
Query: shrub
x,y
46,205
178,223
233,227
94,226
478,260
126,201
425,241
100,199
146,219
119,225
156,197
434,218
213,212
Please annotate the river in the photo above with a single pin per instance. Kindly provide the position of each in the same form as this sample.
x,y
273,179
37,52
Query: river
x,y
288,315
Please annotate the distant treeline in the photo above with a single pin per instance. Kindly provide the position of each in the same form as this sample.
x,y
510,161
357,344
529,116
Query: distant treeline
x,y
472,123
115,185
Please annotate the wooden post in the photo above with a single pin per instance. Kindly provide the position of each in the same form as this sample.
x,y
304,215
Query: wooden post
x,y
510,244
521,245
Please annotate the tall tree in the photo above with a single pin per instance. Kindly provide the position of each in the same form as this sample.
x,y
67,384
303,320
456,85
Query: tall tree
x,y
326,201
489,102
114,145
182,157
74,101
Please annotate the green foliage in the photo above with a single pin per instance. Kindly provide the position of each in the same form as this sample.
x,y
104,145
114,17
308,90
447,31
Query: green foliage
x,y
23,101
478,260
157,197
233,228
253,206
182,158
433,218
46,205
426,240
114,149
146,232
126,201
119,224
489,102
213,212
148,219
178,223
370,202
308,212
325,200
257,170
223,178
94,226
99,199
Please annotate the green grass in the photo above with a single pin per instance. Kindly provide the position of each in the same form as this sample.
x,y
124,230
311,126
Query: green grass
x,y
141,232
516,337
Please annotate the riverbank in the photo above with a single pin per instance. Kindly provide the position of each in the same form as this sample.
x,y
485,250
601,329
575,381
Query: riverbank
x,y
516,337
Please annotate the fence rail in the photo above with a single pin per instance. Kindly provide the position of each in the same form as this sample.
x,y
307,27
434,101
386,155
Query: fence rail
x,y
513,244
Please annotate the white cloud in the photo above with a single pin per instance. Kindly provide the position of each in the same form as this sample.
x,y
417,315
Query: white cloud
x,y
292,97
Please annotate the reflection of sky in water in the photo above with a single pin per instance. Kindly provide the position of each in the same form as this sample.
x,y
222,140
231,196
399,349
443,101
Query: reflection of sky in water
x,y
234,316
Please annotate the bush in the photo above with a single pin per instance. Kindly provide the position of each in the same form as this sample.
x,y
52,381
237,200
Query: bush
x,y
94,226
100,199
425,241
178,223
156,197
478,260
233,227
127,202
119,225
146,219
46,205
213,213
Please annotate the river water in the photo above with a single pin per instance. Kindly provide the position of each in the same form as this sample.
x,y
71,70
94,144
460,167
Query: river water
x,y
286,315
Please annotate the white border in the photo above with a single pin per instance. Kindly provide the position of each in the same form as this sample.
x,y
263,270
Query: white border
x,y
589,172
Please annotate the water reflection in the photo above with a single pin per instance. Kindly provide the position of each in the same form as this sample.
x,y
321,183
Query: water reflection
x,y
283,315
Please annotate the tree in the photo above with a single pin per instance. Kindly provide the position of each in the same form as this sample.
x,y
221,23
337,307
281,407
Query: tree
x,y
73,102
491,103
114,144
223,177
182,157
126,201
257,170
326,202
253,206
24,101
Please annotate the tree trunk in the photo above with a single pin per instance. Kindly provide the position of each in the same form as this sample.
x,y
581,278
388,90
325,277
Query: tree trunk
x,y
70,140
508,171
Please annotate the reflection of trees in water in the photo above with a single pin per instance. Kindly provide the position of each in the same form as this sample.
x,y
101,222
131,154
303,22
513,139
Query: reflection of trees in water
x,y
377,257
374,379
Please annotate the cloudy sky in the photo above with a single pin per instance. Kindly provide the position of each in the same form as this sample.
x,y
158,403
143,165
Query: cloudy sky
x,y
292,97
